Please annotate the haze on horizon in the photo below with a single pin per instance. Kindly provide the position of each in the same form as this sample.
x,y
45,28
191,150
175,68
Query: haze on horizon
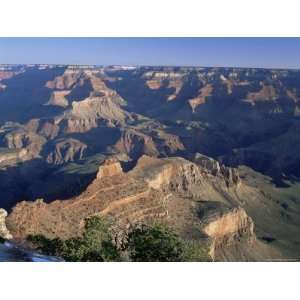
x,y
210,52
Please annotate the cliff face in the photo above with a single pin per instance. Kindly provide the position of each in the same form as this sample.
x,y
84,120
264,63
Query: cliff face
x,y
22,139
65,81
166,189
225,229
110,167
58,98
66,150
135,143
212,166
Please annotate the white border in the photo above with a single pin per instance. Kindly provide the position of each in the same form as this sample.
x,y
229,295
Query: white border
x,y
149,281
111,18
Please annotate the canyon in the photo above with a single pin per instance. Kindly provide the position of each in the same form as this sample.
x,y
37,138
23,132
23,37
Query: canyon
x,y
211,152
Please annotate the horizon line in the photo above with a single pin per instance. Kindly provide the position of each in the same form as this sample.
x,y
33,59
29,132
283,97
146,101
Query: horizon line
x,y
150,65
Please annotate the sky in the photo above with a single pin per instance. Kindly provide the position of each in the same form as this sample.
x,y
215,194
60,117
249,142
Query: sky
x,y
235,52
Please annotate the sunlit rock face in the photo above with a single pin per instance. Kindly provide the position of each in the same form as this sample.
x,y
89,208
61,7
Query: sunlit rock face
x,y
228,228
4,233
110,167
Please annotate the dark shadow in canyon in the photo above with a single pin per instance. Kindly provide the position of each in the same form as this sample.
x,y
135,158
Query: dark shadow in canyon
x,y
26,95
35,179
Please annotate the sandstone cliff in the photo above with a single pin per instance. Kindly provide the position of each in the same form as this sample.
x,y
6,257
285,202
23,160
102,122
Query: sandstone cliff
x,y
227,228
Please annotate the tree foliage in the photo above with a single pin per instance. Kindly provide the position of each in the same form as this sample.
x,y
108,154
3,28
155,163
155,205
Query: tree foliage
x,y
156,243
95,244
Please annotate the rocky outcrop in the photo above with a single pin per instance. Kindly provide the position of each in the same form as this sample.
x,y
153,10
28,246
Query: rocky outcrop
x,y
30,141
66,81
48,129
208,163
230,175
58,98
66,150
4,233
43,127
13,156
172,81
135,143
88,101
226,228
91,113
174,174
110,167
168,144
149,141
204,93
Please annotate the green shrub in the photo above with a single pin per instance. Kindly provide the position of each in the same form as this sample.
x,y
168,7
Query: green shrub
x,y
156,243
159,243
95,244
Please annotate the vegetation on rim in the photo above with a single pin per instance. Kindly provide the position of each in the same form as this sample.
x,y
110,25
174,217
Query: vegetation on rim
x,y
143,244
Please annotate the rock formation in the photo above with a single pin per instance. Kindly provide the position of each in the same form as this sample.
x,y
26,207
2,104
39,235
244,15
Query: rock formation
x,y
92,112
152,190
110,167
11,157
204,93
226,228
59,98
4,233
65,81
30,141
207,163
230,175
135,143
66,150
